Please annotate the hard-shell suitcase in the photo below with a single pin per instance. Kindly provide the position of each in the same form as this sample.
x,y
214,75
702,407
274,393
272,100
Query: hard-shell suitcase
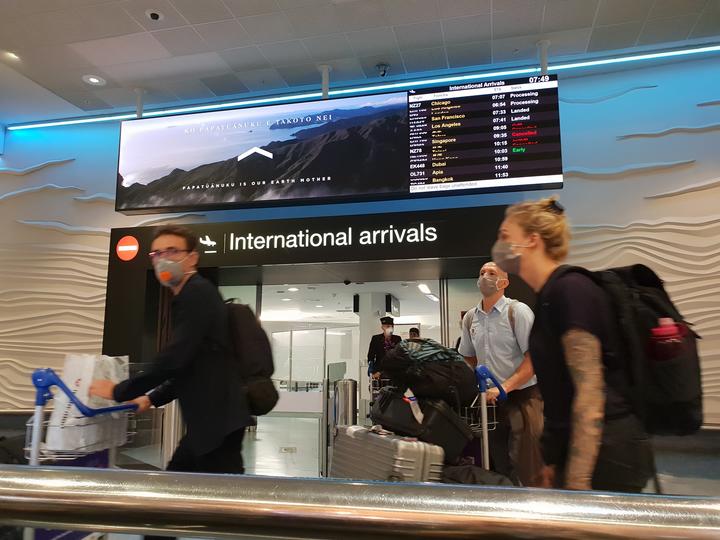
x,y
436,423
361,453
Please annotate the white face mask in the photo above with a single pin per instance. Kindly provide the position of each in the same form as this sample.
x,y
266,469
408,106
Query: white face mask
x,y
488,285
388,331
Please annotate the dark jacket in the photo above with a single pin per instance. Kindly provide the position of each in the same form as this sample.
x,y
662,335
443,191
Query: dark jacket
x,y
195,368
376,352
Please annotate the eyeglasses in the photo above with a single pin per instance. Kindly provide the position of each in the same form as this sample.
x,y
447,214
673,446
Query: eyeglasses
x,y
166,253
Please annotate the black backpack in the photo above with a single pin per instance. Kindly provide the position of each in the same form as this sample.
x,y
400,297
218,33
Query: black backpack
x,y
251,348
666,393
431,371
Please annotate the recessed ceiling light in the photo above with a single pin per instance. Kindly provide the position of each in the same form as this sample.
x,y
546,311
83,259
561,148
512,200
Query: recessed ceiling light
x,y
293,289
286,299
319,306
12,56
424,288
94,80
433,297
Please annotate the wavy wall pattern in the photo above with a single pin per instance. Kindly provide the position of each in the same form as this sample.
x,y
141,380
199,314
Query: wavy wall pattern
x,y
33,168
52,301
670,131
622,171
691,188
606,97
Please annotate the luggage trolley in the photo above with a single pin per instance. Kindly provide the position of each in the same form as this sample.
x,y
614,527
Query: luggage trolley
x,y
480,416
35,452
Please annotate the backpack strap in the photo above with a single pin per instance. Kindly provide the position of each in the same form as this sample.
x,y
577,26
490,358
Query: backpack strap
x,y
467,321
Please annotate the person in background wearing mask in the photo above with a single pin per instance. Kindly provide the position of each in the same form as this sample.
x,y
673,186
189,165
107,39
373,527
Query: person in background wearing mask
x,y
495,333
195,367
414,333
380,344
591,439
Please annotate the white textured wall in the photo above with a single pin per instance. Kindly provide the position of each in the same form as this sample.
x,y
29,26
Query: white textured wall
x,y
643,169
56,212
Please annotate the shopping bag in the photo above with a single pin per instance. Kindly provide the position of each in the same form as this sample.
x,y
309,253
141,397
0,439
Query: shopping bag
x,y
68,429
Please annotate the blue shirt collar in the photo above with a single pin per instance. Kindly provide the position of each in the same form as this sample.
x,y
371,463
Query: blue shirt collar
x,y
499,305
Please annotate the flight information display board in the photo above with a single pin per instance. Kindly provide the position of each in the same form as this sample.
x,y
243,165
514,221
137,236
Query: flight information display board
x,y
485,135
495,135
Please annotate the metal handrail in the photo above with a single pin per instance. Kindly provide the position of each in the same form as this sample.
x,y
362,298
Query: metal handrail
x,y
202,505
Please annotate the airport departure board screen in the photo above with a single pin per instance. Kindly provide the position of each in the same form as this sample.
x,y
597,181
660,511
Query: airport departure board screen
x,y
499,135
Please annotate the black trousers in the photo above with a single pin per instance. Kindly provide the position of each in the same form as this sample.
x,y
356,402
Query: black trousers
x,y
225,459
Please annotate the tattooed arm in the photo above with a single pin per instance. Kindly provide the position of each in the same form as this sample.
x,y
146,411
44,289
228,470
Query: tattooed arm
x,y
583,354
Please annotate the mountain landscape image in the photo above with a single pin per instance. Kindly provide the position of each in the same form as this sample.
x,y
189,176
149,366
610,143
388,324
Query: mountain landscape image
x,y
358,152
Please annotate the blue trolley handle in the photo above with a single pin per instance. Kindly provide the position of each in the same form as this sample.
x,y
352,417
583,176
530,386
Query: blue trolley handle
x,y
43,379
482,373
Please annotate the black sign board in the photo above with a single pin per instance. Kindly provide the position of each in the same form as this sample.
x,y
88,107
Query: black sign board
x,y
372,244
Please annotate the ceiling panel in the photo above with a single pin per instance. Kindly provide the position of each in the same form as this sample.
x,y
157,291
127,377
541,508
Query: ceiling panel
x,y
313,20
246,8
463,8
346,69
616,36
197,65
373,41
410,11
285,53
121,49
224,34
361,15
709,23
675,8
185,89
469,54
268,28
87,101
300,75
419,36
202,11
520,22
622,11
245,58
261,80
424,60
569,14
664,30
182,41
224,85
467,29
330,47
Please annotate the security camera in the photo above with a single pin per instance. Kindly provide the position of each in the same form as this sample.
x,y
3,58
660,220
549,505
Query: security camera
x,y
154,15
347,282
382,69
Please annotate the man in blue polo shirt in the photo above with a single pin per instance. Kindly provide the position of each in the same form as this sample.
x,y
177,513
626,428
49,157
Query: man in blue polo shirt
x,y
495,333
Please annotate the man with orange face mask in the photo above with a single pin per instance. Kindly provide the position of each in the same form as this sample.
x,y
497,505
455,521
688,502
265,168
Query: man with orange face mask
x,y
195,367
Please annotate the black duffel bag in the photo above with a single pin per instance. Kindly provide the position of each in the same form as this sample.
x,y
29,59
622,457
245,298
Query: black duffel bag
x,y
441,425
431,371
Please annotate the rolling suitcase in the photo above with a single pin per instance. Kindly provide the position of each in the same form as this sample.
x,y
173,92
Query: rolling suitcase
x,y
361,453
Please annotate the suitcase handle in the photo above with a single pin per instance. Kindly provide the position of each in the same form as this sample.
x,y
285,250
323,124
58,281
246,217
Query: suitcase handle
x,y
43,379
483,373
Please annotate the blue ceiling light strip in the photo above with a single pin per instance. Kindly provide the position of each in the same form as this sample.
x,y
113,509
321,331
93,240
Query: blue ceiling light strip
x,y
376,87
91,120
